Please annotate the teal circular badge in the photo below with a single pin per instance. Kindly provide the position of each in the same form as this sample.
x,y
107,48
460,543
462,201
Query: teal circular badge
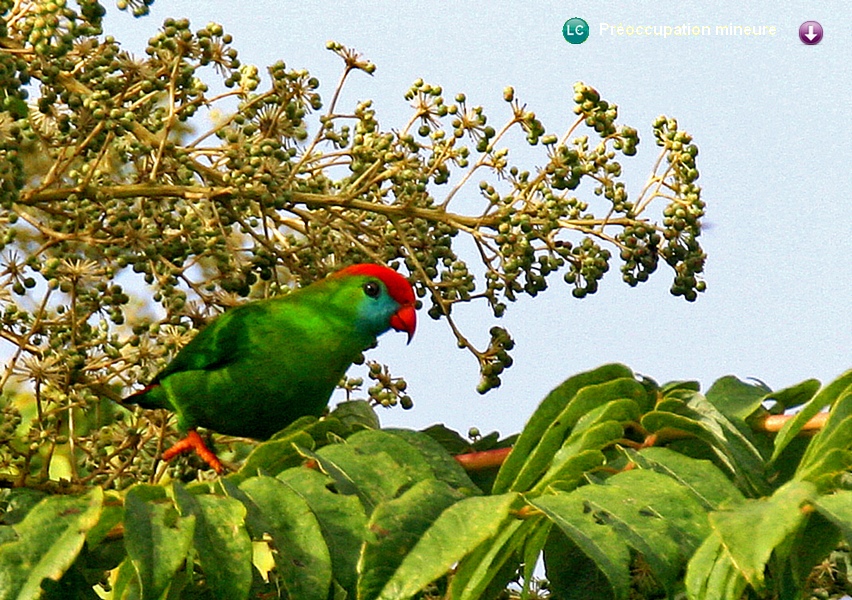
x,y
575,31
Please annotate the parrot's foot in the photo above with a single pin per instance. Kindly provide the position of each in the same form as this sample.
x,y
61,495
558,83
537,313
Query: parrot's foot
x,y
193,443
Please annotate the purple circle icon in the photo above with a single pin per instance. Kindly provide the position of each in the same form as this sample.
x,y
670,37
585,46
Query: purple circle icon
x,y
810,32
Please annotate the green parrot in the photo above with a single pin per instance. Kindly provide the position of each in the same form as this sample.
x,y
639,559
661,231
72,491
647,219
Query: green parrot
x,y
258,367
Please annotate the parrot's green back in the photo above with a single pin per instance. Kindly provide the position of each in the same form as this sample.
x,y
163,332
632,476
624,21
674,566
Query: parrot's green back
x,y
260,366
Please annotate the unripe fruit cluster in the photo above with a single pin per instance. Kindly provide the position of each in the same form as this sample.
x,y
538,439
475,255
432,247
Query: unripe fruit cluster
x,y
682,217
495,359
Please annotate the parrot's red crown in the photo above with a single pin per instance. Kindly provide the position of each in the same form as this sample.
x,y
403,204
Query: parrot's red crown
x,y
398,286
404,319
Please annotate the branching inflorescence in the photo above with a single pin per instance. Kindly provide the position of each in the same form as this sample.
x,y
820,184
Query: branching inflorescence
x,y
110,198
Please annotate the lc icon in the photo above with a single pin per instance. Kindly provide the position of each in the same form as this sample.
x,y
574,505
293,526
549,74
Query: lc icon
x,y
575,31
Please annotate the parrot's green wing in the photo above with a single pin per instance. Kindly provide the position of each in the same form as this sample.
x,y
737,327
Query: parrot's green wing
x,y
219,344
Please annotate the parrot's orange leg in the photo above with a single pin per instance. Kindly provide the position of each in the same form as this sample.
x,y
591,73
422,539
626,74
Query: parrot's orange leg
x,y
193,443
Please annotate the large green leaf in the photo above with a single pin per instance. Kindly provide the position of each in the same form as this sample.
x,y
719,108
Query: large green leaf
x,y
301,424
596,437
453,535
283,450
641,509
826,397
48,540
545,415
449,439
800,553
490,566
568,472
753,529
374,465
156,536
275,455
782,467
395,527
711,574
827,469
795,395
741,444
444,466
600,545
302,557
581,450
621,410
16,503
691,413
534,544
355,414
837,508
573,575
112,513
585,400
125,583
735,398
835,435
341,519
221,541
683,385
701,478
715,574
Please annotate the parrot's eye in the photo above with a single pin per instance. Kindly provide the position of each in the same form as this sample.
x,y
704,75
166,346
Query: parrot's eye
x,y
371,288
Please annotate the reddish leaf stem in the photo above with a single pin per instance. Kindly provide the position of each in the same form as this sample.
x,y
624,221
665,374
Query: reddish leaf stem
x,y
479,461
489,459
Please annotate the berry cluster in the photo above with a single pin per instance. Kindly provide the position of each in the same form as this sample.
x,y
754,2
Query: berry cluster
x,y
639,252
598,114
51,28
495,359
682,217
14,76
139,8
10,419
387,390
589,263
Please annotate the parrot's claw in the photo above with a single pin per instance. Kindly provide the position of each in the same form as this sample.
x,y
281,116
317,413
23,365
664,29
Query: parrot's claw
x,y
193,443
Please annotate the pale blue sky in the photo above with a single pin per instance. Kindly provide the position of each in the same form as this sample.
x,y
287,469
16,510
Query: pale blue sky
x,y
769,114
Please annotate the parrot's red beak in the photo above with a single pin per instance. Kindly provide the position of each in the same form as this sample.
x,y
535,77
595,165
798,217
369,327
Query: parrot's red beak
x,y
405,319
